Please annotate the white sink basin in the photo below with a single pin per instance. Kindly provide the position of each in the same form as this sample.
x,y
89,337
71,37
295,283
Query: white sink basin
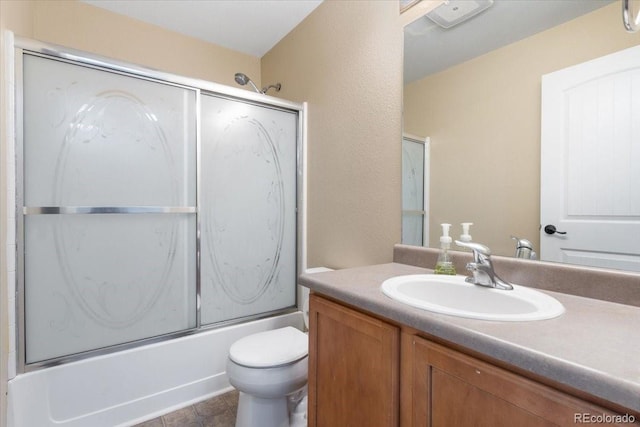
x,y
452,295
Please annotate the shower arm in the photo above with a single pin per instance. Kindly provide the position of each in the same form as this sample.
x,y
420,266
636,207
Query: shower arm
x,y
276,86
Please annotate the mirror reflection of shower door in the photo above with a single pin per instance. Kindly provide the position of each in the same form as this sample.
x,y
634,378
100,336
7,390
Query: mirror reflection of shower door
x,y
109,215
248,205
415,194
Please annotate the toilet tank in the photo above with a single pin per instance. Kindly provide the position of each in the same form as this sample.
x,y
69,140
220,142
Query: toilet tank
x,y
303,294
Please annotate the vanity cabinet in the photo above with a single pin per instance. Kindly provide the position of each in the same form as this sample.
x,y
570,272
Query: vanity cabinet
x,y
448,388
364,371
354,368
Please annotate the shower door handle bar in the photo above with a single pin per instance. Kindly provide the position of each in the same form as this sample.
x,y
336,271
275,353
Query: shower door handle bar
x,y
87,210
413,212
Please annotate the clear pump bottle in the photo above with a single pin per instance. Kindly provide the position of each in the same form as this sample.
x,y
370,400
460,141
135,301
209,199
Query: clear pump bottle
x,y
465,236
444,265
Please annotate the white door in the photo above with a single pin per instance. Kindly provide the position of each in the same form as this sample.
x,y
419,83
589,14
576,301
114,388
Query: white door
x,y
590,163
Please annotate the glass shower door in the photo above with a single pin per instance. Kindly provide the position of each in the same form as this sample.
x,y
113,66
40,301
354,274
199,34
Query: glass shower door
x,y
109,208
248,209
414,172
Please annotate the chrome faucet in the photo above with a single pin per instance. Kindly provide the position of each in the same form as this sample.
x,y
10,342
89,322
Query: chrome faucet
x,y
482,267
524,248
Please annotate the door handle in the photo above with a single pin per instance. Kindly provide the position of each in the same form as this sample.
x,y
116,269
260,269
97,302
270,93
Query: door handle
x,y
551,229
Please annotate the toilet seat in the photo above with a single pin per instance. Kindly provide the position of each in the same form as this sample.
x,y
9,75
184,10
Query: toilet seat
x,y
271,348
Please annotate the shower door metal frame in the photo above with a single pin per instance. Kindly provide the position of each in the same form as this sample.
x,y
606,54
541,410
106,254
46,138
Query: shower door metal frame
x,y
24,46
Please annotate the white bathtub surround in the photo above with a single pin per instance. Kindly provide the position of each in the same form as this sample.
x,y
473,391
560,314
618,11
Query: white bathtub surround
x,y
129,387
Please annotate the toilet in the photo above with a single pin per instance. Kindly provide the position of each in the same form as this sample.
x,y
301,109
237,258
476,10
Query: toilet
x,y
269,369
266,368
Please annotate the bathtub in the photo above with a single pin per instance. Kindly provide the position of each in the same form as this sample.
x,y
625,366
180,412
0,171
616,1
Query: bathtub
x,y
131,386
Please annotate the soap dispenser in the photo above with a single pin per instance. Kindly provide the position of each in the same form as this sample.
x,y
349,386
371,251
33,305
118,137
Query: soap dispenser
x,y
465,236
444,265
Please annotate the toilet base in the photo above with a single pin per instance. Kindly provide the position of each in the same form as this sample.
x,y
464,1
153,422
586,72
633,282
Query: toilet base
x,y
260,412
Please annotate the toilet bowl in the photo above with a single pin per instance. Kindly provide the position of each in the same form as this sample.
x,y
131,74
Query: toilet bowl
x,y
269,369
266,368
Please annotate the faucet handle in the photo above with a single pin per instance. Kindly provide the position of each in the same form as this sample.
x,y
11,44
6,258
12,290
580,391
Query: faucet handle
x,y
476,247
482,267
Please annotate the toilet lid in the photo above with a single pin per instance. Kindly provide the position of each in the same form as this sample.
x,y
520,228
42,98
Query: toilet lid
x,y
270,348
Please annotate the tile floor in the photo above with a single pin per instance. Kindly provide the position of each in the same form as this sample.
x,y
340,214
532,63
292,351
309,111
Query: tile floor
x,y
219,411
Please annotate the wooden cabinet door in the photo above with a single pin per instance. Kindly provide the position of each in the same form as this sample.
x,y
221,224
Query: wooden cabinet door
x,y
451,389
353,368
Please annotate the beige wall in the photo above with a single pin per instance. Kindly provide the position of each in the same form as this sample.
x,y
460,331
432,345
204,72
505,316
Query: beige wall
x,y
483,117
345,59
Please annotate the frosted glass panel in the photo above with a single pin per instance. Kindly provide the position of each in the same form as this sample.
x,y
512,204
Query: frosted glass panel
x,y
412,233
248,209
413,162
96,138
98,280
412,175
95,278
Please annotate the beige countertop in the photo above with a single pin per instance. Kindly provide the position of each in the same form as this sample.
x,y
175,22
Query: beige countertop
x,y
594,346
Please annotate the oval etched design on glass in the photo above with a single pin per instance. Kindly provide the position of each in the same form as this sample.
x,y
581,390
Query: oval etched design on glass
x,y
115,153
246,215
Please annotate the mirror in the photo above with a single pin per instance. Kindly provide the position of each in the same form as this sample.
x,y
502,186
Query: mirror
x,y
475,90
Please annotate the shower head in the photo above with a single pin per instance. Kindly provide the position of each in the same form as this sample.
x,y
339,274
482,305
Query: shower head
x,y
242,79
